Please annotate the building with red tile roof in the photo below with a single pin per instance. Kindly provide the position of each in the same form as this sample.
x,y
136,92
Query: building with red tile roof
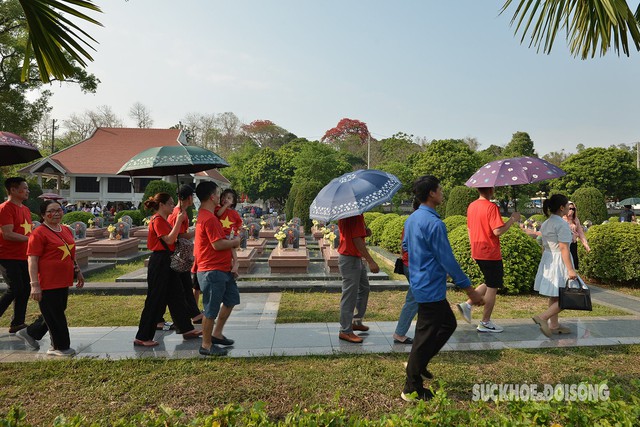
x,y
91,166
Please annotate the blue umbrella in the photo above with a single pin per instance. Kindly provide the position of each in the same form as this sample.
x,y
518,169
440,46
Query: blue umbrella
x,y
353,194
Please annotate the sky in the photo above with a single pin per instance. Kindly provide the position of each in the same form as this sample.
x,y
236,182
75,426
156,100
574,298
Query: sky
x,y
432,69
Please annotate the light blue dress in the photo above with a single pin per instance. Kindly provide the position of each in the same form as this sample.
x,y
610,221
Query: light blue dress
x,y
552,273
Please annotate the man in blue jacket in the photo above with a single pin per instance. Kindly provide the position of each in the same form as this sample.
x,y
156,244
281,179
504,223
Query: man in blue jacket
x,y
430,260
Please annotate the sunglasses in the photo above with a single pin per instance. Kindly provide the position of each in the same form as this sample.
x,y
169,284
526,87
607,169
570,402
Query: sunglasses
x,y
572,209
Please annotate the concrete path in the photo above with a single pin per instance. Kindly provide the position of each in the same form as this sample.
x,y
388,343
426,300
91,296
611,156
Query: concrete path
x,y
252,325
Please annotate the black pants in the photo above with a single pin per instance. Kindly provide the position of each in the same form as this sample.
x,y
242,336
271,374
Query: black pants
x,y
16,275
573,248
53,319
436,323
187,289
163,288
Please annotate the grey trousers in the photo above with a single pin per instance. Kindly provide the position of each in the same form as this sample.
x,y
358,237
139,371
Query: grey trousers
x,y
355,290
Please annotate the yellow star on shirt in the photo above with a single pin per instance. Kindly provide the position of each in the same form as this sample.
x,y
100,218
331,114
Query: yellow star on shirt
x,y
66,251
27,227
226,223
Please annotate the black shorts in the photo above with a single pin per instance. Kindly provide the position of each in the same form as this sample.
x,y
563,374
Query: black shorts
x,y
493,272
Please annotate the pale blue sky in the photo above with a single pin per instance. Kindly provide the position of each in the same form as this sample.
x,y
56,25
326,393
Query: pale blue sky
x,y
433,69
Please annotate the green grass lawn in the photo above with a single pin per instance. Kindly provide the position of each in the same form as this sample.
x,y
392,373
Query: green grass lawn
x,y
364,385
112,274
298,307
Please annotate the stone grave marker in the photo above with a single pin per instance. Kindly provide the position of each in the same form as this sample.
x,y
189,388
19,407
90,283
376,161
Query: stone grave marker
x,y
79,229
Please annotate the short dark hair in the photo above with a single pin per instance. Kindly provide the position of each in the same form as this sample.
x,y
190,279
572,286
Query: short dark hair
x,y
184,192
13,182
205,189
423,186
233,193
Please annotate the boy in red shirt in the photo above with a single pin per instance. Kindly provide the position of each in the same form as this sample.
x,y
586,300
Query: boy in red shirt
x,y
355,283
15,226
213,254
485,227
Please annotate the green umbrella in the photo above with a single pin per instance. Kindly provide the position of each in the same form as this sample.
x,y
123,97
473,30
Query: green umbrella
x,y
172,160
631,201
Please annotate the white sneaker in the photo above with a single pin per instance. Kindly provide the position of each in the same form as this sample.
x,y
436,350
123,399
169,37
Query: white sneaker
x,y
62,353
465,311
29,341
489,327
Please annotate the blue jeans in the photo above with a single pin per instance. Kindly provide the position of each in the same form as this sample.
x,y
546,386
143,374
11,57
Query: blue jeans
x,y
409,310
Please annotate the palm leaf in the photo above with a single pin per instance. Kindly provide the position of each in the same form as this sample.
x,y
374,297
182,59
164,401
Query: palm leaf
x,y
591,25
56,41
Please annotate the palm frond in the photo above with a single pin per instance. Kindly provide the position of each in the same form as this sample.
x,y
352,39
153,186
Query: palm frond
x,y
591,26
54,38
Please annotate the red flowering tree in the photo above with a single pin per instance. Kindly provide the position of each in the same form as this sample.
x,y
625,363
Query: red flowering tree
x,y
347,128
265,133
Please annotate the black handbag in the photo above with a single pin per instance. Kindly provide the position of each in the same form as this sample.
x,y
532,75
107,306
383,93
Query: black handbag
x,y
575,296
399,267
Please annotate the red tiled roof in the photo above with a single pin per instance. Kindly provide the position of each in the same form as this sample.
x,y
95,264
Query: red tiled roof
x,y
108,149
214,174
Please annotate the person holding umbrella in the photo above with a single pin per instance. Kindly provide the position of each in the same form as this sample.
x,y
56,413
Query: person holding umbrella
x,y
16,226
430,260
485,227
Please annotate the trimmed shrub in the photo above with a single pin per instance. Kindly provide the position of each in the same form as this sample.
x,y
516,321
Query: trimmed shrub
x,y
370,216
307,191
454,221
136,216
391,236
377,227
614,219
615,253
71,217
288,206
460,198
155,187
520,254
591,205
539,218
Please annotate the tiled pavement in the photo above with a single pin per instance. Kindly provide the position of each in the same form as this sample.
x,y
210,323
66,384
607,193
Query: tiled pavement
x,y
252,325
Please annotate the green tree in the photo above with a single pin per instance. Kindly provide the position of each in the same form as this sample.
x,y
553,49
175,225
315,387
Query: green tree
x,y
399,148
154,187
489,154
405,175
460,198
520,145
265,133
591,26
590,204
451,160
267,176
237,161
610,170
319,162
307,191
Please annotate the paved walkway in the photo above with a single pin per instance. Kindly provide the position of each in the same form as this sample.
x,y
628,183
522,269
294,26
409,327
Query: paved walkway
x,y
253,326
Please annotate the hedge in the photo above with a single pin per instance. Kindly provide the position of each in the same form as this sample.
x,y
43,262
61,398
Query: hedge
x,y
370,216
615,253
460,198
71,217
520,253
590,204
377,227
136,216
392,233
454,221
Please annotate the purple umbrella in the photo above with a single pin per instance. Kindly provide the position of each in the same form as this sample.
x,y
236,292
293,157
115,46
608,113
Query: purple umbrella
x,y
14,149
515,171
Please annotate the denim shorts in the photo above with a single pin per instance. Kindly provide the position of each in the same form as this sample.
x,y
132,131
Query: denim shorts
x,y
217,287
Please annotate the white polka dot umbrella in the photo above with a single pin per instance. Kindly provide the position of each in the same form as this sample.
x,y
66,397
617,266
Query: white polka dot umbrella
x,y
514,171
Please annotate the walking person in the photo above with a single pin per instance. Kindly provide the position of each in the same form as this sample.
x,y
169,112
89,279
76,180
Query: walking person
x,y
352,252
430,260
556,265
185,200
163,282
485,227
216,274
577,233
410,306
52,265
16,226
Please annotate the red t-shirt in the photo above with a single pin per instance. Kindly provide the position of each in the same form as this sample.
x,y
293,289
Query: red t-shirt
x,y
158,227
55,265
483,217
184,227
349,228
230,219
405,254
209,230
20,217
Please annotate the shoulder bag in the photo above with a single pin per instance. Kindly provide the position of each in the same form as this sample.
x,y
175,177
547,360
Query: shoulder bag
x,y
575,295
182,257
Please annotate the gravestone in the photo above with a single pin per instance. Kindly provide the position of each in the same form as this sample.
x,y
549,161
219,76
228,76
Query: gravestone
x,y
253,229
295,221
98,222
273,221
243,235
122,230
292,239
127,219
79,230
332,228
